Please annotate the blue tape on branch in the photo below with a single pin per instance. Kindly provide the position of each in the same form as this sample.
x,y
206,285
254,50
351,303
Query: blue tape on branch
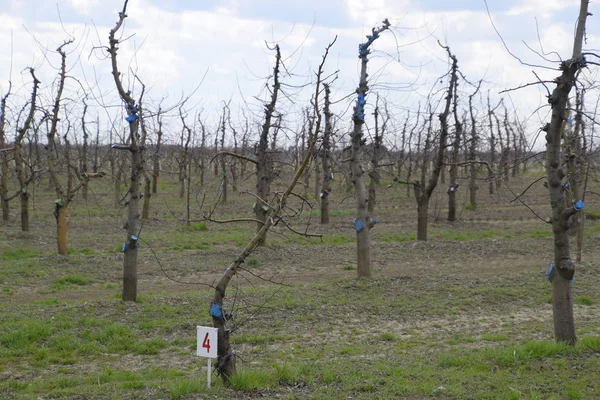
x,y
134,238
550,268
579,205
566,185
131,117
373,221
569,121
215,311
124,247
358,224
360,106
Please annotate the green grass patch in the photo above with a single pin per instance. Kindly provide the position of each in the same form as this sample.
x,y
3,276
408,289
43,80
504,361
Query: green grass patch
x,y
182,388
583,300
198,226
592,215
18,254
539,233
248,380
72,280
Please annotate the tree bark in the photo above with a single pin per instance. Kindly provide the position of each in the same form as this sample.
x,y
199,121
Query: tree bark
x,y
422,217
458,128
473,187
562,296
325,159
61,230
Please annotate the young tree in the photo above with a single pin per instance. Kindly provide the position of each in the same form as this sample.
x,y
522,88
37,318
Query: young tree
x,y
423,192
458,134
63,196
84,151
156,155
130,247
223,163
491,175
564,267
23,176
362,223
226,365
473,143
326,158
5,159
377,144
264,158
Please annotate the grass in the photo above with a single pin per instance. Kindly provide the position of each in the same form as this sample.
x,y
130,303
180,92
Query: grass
x,y
18,254
592,215
300,359
72,280
463,316
583,300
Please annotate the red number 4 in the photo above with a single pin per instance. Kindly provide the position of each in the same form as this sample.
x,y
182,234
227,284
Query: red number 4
x,y
206,343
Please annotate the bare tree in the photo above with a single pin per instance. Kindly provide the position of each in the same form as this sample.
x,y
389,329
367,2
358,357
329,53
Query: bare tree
x,y
226,365
423,192
23,176
564,267
458,134
5,159
156,155
376,149
264,162
473,143
84,151
130,247
362,223
63,196
326,157
223,163
491,175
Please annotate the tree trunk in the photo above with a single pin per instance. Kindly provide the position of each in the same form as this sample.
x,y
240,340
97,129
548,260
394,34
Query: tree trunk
x,y
580,233
473,187
24,211
5,209
422,217
452,203
61,229
458,128
129,292
147,196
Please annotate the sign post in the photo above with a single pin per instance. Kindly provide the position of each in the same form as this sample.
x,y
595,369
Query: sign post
x,y
207,338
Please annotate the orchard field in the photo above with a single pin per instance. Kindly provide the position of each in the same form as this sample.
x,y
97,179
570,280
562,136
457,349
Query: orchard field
x,y
465,315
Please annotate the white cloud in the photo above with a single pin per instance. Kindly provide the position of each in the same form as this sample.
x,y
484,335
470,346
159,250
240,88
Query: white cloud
x,y
541,7
175,48
83,7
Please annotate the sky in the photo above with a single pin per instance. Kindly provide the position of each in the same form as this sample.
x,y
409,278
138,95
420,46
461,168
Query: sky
x,y
215,51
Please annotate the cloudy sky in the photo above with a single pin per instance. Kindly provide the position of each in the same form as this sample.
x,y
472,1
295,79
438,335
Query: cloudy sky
x,y
173,44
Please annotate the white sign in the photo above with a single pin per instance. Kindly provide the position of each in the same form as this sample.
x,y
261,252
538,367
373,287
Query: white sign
x,y
207,342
